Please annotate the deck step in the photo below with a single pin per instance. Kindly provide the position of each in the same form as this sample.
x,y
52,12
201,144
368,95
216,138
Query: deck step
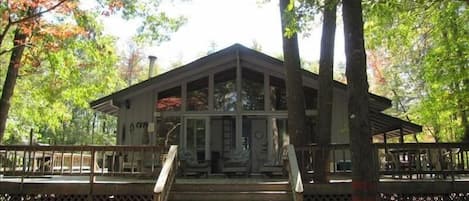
x,y
231,192
229,187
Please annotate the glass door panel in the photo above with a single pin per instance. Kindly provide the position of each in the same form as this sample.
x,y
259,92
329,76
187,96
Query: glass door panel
x,y
196,138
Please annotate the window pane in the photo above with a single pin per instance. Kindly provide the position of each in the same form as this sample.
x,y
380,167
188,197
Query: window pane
x,y
197,94
225,90
278,94
196,138
252,90
169,100
311,98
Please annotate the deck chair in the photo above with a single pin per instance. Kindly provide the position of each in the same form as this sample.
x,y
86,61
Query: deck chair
x,y
236,162
191,166
391,163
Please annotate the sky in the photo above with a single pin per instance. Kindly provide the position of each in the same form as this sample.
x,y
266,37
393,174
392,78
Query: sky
x,y
223,23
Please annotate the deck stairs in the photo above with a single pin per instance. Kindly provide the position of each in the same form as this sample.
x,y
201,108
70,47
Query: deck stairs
x,y
230,189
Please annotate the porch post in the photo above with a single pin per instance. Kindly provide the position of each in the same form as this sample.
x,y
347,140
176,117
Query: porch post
x,y
210,92
239,105
183,96
401,136
266,93
385,143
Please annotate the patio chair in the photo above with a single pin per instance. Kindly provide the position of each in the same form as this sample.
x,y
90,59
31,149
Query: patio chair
x,y
391,164
236,162
191,166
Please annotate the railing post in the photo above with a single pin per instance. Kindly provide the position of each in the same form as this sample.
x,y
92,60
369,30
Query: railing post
x,y
167,176
92,177
294,174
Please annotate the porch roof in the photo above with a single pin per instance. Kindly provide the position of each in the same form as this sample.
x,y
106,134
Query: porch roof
x,y
383,123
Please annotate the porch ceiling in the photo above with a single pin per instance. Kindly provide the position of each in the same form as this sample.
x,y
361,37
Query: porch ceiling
x,y
382,123
106,107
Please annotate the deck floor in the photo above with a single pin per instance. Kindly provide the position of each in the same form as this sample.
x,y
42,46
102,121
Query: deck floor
x,y
212,179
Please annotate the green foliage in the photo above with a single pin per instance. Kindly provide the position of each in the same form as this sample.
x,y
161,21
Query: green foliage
x,y
53,97
426,47
155,25
68,63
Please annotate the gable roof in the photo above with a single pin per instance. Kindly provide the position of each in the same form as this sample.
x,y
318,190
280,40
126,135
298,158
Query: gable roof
x,y
229,55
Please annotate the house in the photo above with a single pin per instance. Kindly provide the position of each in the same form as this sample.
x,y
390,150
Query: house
x,y
228,111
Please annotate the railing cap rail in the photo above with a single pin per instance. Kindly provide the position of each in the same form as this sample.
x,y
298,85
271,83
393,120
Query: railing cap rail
x,y
167,166
294,169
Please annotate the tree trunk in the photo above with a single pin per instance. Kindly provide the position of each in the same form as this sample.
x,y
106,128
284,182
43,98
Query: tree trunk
x,y
364,178
294,82
19,42
465,125
326,64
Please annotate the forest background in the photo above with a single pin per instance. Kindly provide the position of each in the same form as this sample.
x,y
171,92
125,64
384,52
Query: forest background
x,y
417,52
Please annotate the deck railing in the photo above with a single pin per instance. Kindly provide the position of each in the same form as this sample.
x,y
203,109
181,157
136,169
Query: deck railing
x,y
423,160
339,157
167,175
396,161
23,160
294,174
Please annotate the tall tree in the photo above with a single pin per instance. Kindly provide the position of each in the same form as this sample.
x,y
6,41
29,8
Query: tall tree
x,y
294,80
325,96
19,42
364,179
425,67
20,16
24,19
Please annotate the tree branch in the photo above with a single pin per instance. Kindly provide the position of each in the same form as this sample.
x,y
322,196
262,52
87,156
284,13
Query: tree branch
x,y
13,48
38,14
4,33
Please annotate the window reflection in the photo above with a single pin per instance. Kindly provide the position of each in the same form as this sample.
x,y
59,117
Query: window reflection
x,y
311,98
197,95
196,137
252,90
278,94
169,100
225,90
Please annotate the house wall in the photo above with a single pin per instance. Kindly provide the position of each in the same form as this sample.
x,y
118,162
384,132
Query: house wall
x,y
340,132
135,115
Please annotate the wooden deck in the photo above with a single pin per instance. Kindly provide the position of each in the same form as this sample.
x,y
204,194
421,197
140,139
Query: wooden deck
x,y
120,171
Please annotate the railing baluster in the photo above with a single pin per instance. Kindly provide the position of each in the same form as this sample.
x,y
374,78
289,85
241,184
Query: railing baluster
x,y
113,164
34,161
132,162
43,163
14,164
62,161
71,162
153,158
81,160
103,164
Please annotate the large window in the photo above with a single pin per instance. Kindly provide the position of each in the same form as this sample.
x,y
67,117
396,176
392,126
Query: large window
x,y
278,94
252,90
197,95
225,90
169,100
